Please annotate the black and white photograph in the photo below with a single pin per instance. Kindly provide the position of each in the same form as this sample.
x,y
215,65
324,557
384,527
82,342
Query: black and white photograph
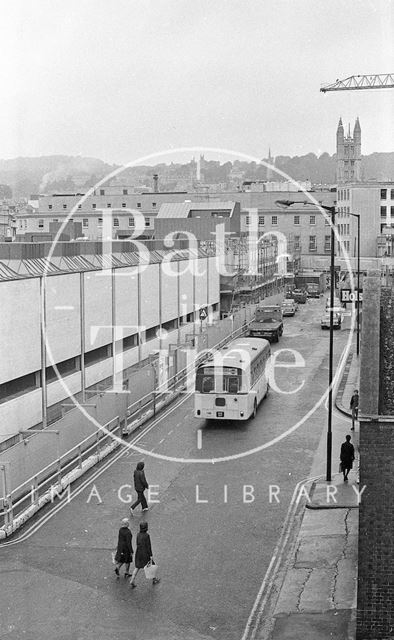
x,y
197,320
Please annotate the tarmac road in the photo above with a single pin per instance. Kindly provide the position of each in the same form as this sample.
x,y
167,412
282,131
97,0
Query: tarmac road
x,y
213,544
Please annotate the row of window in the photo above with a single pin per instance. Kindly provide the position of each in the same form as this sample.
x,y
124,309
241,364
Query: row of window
x,y
31,381
312,243
85,222
345,244
343,194
383,212
274,220
344,229
109,206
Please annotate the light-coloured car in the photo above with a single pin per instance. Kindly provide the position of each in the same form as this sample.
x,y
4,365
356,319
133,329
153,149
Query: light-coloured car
x,y
336,320
289,307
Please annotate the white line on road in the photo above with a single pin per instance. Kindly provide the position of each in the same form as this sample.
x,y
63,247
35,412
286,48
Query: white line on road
x,y
162,440
64,307
253,621
199,439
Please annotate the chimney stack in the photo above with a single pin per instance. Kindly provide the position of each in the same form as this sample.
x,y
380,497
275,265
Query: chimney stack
x,y
155,183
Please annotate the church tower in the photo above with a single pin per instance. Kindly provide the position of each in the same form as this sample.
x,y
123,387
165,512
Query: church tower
x,y
348,154
270,174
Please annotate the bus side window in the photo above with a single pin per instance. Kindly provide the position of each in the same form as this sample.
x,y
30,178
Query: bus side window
x,y
207,384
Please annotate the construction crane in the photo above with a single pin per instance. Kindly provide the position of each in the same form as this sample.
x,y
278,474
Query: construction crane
x,y
353,83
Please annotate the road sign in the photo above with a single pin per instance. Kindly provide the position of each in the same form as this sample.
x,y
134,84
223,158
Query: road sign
x,y
347,295
203,314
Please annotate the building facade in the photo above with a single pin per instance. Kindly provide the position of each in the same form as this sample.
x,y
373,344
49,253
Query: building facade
x,y
88,316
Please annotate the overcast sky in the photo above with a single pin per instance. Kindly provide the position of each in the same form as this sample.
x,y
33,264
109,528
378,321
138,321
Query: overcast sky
x,y
119,79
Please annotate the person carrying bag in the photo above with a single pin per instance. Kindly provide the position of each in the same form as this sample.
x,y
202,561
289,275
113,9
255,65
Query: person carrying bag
x,y
144,557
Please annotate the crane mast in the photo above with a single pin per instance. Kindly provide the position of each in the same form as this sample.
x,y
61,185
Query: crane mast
x,y
355,83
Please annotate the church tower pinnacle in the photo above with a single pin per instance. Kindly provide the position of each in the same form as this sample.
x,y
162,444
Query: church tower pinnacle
x,y
348,153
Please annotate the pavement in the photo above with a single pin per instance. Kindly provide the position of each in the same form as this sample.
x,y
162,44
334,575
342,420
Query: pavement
x,y
318,596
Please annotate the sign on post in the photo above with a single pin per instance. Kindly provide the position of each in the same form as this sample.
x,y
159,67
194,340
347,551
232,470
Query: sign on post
x,y
203,313
349,295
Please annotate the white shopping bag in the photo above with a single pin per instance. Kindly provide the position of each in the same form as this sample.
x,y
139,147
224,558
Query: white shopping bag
x,y
150,570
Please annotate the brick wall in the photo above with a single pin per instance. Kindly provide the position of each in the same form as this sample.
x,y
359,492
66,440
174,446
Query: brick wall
x,y
375,598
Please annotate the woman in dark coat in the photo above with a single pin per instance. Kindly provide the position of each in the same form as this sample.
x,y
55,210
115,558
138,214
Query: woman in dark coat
x,y
124,551
143,553
347,457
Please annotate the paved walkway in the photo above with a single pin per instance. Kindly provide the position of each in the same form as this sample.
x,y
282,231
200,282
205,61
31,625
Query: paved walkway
x,y
317,599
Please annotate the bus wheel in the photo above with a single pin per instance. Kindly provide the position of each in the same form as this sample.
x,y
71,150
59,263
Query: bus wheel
x,y
255,408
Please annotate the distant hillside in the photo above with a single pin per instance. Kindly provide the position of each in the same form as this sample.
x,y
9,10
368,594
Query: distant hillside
x,y
48,174
26,176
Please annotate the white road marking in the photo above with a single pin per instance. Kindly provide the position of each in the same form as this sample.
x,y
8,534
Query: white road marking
x,y
253,621
199,439
162,440
64,307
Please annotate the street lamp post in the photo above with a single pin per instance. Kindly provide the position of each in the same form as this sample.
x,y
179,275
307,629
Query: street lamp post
x,y
331,211
357,215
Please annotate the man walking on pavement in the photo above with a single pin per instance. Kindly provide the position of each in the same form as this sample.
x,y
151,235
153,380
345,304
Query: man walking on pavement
x,y
140,484
354,407
347,457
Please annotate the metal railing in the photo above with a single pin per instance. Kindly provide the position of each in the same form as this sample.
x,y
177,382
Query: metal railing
x,y
20,503
49,483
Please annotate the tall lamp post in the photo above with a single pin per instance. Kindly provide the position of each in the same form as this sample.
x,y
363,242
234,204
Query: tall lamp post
x,y
331,210
357,215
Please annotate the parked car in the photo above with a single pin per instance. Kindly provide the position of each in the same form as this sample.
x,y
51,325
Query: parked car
x,y
336,320
289,307
300,296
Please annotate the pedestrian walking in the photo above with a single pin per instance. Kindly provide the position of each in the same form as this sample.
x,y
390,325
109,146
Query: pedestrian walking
x,y
124,550
354,400
140,484
143,553
347,457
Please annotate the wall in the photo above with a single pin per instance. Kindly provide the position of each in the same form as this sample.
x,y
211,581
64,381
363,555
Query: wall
x,y
132,302
375,598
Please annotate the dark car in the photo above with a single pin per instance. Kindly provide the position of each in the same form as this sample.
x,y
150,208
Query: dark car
x,y
300,296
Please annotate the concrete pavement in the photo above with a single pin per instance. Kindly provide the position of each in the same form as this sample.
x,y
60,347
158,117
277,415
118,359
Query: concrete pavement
x,y
317,599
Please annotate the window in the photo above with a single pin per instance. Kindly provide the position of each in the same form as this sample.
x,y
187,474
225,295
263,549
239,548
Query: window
x,y
326,222
138,205
383,212
50,206
79,206
116,222
147,222
41,223
131,222
25,224
108,205
85,223
17,387
312,243
247,220
312,219
96,355
125,192
392,214
124,205
297,220
64,206
153,204
99,222
327,244
274,220
392,194
129,342
62,369
297,244
261,220
93,205
383,194
102,192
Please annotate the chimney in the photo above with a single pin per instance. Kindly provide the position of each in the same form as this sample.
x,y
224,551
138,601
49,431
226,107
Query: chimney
x,y
155,183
